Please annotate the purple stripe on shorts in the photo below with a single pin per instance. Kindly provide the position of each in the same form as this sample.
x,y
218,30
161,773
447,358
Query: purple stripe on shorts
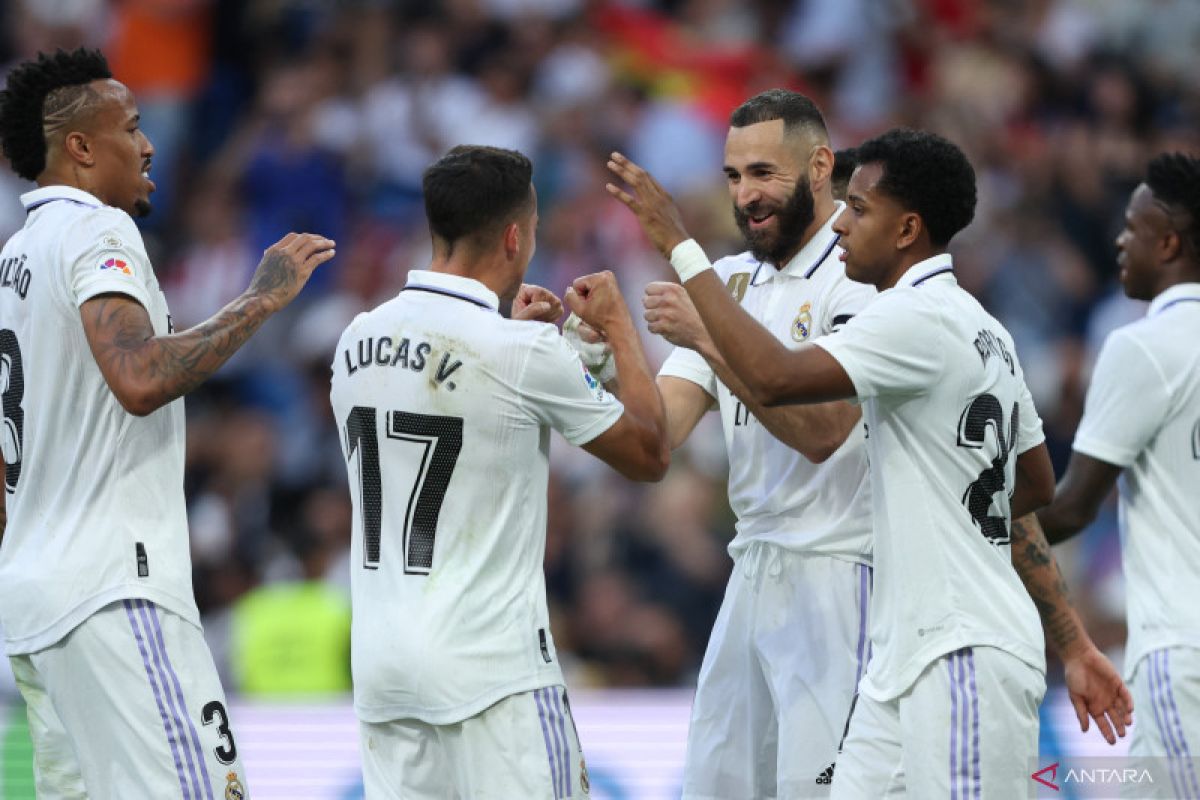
x,y
1164,731
562,729
1190,774
195,737
162,712
976,775
953,730
964,719
864,598
537,696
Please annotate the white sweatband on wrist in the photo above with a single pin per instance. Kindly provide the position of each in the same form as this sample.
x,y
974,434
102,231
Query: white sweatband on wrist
x,y
689,260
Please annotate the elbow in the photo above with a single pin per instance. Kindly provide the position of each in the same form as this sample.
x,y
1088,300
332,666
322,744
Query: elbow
x,y
772,391
136,401
821,451
653,465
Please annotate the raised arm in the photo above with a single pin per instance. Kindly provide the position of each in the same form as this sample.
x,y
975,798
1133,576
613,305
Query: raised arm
x,y
816,431
638,445
1094,685
145,372
771,373
1078,497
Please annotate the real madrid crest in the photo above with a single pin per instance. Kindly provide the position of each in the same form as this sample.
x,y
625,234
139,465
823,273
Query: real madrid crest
x,y
737,284
802,324
233,788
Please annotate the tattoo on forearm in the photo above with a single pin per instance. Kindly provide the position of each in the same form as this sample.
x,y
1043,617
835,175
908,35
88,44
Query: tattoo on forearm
x,y
178,363
1044,581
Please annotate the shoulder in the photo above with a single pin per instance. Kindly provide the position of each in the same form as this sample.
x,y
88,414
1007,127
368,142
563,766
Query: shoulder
x,y
732,265
104,228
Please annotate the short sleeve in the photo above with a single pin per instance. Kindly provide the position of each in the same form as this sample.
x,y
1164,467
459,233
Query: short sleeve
x,y
892,348
846,299
558,391
1029,425
109,257
1126,402
690,366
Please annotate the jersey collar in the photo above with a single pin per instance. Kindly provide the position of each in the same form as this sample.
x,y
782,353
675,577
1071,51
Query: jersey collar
x,y
48,194
456,286
938,268
810,258
1179,293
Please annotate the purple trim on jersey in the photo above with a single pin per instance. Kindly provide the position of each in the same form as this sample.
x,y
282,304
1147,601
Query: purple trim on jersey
x,y
1187,768
550,751
448,293
812,270
1158,702
976,777
195,737
562,730
929,275
162,712
38,205
1177,302
964,721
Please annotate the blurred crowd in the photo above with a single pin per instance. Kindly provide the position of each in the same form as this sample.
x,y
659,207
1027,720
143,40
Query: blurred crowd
x,y
320,115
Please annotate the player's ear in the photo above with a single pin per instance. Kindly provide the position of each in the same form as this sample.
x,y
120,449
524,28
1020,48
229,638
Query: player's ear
x,y
820,167
512,239
1170,246
910,229
79,148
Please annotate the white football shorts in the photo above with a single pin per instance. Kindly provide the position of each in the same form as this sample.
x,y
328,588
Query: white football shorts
x,y
778,678
128,705
967,728
524,746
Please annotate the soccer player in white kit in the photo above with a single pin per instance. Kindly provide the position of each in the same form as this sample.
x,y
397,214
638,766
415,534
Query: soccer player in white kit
x,y
100,623
949,702
1141,432
446,409
790,644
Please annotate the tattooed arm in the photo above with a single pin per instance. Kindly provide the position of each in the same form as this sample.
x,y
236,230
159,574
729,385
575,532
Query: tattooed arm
x,y
146,372
1095,687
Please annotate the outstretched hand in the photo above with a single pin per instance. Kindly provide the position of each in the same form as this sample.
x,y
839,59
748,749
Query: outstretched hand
x,y
650,203
1097,692
537,304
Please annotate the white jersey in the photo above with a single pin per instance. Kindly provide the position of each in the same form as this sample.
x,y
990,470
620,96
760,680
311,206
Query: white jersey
x,y
446,409
947,414
95,494
780,496
1143,414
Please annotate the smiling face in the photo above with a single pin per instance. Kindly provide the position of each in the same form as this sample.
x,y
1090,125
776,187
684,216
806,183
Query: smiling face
x,y
768,182
121,153
1143,244
872,229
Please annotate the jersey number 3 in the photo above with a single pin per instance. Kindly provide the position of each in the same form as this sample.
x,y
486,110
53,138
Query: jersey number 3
x,y
439,440
986,412
12,381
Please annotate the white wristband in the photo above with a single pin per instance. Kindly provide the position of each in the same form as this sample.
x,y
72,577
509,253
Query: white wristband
x,y
689,260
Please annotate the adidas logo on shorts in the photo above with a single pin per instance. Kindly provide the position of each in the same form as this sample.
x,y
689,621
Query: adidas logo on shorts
x,y
826,777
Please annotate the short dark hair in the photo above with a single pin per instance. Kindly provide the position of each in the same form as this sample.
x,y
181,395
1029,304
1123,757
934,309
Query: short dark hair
x,y
844,162
473,190
797,112
39,90
1174,179
926,174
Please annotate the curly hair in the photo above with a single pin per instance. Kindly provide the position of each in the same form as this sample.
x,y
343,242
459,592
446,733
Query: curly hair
x,y
926,174
1174,179
40,98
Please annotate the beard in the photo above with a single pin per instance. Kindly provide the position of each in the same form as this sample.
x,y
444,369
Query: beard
x,y
141,208
792,220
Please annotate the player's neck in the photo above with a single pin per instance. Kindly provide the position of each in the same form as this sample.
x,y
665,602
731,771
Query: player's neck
x,y
52,176
469,266
1177,272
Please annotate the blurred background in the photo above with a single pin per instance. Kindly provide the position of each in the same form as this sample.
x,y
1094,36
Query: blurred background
x,y
320,115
